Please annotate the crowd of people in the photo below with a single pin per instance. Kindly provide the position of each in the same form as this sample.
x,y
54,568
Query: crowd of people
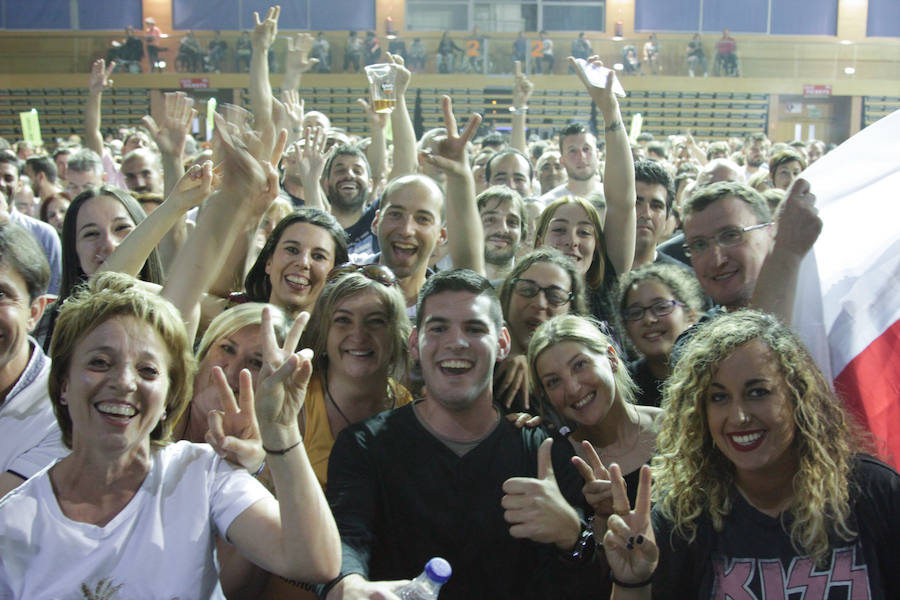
x,y
537,55
295,362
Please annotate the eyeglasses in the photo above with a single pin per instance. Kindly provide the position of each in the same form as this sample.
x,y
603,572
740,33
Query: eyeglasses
x,y
375,272
635,312
556,296
733,236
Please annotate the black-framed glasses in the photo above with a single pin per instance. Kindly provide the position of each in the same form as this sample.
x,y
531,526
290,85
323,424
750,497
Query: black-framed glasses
x,y
375,272
732,236
555,295
660,308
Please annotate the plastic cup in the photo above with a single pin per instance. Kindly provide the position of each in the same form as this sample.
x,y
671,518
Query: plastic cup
x,y
381,87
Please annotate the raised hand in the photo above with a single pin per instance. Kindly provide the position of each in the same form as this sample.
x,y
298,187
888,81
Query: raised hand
x,y
402,77
265,31
603,97
522,87
100,73
194,186
798,221
535,507
248,162
233,431
512,375
297,58
310,156
597,489
376,120
171,133
450,152
629,543
281,386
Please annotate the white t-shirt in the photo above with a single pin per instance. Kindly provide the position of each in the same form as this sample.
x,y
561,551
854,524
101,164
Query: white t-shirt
x,y
160,546
29,435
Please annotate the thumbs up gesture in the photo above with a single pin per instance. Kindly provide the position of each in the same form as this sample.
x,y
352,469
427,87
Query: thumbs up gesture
x,y
536,509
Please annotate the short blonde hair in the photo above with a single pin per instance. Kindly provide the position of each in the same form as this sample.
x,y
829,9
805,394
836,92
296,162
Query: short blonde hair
x,y
104,297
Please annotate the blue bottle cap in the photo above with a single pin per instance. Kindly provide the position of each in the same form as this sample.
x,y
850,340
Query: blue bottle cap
x,y
438,570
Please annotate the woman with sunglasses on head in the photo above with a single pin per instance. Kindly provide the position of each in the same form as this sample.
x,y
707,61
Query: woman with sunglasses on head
x,y
762,487
657,302
542,284
358,332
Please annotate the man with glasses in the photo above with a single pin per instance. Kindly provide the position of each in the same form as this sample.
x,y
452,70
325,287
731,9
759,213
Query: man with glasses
x,y
740,255
85,170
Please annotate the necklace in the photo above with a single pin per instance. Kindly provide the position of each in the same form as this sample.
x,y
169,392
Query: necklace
x,y
390,393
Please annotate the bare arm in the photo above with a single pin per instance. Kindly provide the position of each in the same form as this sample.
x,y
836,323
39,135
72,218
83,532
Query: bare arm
x,y
294,536
99,81
522,89
799,226
130,256
376,153
262,38
248,187
401,124
618,174
465,233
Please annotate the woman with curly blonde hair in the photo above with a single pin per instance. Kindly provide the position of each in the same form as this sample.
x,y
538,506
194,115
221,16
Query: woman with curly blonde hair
x,y
760,490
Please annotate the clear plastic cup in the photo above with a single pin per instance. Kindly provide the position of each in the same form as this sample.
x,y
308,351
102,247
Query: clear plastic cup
x,y
381,87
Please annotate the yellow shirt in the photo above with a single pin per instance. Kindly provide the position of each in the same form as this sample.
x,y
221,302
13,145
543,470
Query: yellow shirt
x,y
318,439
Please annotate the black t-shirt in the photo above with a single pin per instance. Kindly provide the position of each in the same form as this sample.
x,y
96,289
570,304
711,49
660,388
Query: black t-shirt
x,y
362,240
649,387
752,557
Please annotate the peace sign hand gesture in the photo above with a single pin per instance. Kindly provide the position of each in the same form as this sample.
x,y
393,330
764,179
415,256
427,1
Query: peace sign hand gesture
x,y
451,149
233,430
281,388
597,488
629,542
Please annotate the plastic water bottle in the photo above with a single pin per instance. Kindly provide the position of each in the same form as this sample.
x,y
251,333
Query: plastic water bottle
x,y
428,584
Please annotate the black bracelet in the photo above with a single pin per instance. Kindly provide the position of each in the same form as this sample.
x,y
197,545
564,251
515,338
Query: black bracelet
x,y
615,125
283,451
622,584
584,546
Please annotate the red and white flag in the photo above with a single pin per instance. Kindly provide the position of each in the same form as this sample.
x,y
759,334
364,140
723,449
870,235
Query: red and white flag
x,y
847,308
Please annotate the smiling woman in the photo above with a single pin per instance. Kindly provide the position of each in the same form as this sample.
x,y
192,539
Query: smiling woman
x,y
127,504
758,474
291,268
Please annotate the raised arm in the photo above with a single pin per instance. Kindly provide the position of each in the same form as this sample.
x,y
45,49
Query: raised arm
x,y
618,173
297,60
465,234
294,536
189,191
309,161
522,88
170,136
99,82
404,136
249,185
376,152
262,38
799,226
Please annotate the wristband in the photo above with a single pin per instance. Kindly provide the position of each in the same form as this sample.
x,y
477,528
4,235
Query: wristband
x,y
283,451
517,109
584,545
260,469
622,584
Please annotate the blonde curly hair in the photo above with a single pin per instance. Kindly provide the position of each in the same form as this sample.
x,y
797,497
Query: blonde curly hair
x,y
692,477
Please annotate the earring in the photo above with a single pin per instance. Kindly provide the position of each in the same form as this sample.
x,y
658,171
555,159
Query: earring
x,y
164,415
